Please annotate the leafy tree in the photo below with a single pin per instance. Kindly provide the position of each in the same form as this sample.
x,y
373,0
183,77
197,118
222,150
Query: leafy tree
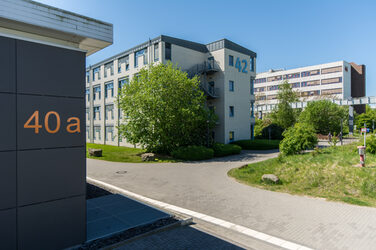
x,y
325,116
284,115
367,118
164,110
298,138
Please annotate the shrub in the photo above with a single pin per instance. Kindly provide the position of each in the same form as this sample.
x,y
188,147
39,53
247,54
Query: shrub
x,y
257,144
298,138
193,153
275,132
221,149
371,144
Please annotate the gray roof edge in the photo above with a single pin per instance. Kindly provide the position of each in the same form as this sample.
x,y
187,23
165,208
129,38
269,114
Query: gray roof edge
x,y
236,47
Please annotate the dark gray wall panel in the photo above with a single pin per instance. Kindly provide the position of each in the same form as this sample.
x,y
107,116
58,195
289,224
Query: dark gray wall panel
x,y
7,65
7,122
65,107
8,229
50,174
52,225
49,70
7,180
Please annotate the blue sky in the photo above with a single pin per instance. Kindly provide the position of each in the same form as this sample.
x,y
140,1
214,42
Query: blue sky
x,y
284,34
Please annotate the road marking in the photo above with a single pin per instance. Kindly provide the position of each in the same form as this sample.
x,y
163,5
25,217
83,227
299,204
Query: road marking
x,y
226,224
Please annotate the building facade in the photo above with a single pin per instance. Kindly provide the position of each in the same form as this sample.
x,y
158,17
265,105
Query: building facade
x,y
226,70
336,80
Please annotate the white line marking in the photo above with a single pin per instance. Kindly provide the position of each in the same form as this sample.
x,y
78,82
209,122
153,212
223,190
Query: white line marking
x,y
226,224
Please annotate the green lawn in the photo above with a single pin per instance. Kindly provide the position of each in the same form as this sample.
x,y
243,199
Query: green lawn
x,y
258,144
327,173
123,154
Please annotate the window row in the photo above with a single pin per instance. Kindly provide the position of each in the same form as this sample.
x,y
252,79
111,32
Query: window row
x,y
123,62
336,91
109,133
302,74
108,89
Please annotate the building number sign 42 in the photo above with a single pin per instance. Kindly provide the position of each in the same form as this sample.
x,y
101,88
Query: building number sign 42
x,y
33,122
241,66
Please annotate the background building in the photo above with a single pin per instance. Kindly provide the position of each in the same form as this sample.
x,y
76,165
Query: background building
x,y
226,70
336,80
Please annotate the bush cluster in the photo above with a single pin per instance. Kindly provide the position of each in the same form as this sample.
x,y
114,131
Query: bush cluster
x,y
193,153
298,138
221,149
371,144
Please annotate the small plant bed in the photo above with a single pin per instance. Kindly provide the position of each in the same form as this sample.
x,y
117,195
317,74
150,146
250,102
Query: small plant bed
x,y
258,144
328,173
123,154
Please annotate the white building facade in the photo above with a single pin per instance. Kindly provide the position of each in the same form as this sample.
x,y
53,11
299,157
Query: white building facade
x,y
324,81
227,71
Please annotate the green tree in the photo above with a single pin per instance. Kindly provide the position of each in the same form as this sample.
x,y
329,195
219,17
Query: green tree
x,y
325,116
367,118
298,138
284,115
164,110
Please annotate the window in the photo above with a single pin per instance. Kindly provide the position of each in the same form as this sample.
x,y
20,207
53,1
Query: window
x,y
231,60
337,91
231,136
97,92
311,83
87,114
123,60
310,73
291,76
97,113
331,70
274,78
109,133
87,76
231,110
109,112
271,97
122,82
109,87
109,66
260,98
261,89
231,86
252,86
331,80
261,80
96,70
88,132
295,85
141,53
156,52
273,87
168,51
252,64
97,130
310,93
88,94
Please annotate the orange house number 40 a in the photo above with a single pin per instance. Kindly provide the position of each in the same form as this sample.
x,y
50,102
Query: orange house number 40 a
x,y
72,127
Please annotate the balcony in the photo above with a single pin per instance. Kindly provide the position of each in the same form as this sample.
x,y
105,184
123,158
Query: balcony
x,y
209,67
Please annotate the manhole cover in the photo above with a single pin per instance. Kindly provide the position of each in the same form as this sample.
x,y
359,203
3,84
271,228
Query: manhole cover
x,y
121,172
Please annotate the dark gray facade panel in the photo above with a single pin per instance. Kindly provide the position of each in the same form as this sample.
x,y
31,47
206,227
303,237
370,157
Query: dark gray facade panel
x,y
52,225
48,70
8,122
7,65
7,180
50,174
65,107
8,231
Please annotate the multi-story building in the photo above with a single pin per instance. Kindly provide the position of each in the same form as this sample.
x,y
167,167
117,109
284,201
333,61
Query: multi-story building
x,y
336,80
226,70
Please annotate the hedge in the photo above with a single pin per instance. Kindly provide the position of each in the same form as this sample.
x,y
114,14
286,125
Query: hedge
x,y
221,149
257,144
193,153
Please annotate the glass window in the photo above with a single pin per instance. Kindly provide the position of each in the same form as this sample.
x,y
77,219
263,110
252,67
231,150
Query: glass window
x,y
87,76
156,52
231,86
123,60
260,80
231,60
168,51
97,92
273,87
295,85
97,113
252,64
310,83
331,91
97,130
274,78
231,110
141,53
122,82
291,76
109,112
231,136
109,133
331,80
88,94
271,97
310,73
252,86
109,67
109,90
96,70
331,70
310,93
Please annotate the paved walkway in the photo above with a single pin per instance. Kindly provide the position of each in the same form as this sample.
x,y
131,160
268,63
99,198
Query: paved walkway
x,y
205,187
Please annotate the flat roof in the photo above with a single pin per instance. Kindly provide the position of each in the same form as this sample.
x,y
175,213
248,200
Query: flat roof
x,y
26,19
